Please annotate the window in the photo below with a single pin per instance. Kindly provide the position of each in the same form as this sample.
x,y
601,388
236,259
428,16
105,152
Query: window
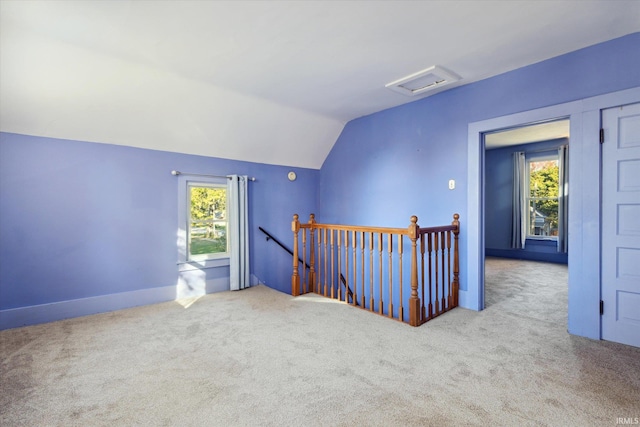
x,y
542,196
203,235
206,221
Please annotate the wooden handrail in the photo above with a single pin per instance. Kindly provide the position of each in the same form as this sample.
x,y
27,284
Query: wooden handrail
x,y
407,283
438,229
357,228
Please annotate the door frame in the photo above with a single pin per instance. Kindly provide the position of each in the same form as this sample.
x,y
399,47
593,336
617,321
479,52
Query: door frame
x,y
584,190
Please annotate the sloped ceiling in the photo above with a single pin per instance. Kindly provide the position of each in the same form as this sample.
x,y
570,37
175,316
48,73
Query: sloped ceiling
x,y
264,81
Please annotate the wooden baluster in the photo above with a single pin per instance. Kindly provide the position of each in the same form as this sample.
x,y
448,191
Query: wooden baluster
x,y
333,270
436,246
322,262
443,271
371,299
304,260
326,270
318,258
456,265
430,242
390,251
312,258
338,276
424,297
346,268
400,249
362,302
380,299
354,247
443,304
295,278
414,300
449,296
320,278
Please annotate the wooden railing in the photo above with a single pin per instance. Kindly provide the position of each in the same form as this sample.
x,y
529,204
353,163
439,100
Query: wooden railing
x,y
367,267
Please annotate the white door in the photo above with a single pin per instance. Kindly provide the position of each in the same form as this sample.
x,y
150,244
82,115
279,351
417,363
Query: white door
x,y
621,225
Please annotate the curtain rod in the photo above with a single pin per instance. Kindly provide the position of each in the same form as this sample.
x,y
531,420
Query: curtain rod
x,y
543,150
176,173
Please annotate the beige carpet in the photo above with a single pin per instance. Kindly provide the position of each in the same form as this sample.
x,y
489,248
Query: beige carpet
x,y
259,357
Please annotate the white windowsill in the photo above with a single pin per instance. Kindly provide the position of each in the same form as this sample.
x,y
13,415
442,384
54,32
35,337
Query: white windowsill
x,y
199,265
547,238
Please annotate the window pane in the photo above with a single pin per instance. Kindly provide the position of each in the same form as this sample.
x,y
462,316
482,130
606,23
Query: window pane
x,y
543,178
543,198
543,217
207,220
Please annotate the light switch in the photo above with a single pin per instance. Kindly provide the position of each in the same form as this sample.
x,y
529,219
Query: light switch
x,y
452,184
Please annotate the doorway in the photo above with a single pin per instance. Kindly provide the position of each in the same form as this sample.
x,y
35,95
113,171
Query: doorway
x,y
525,216
584,216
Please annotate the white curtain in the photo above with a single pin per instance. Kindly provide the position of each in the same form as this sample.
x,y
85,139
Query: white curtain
x,y
563,198
519,203
238,231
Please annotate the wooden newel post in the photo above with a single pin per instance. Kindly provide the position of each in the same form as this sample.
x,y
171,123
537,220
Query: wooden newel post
x,y
414,300
456,260
295,277
312,253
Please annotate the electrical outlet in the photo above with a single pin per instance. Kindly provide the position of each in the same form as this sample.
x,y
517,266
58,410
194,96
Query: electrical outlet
x,y
452,184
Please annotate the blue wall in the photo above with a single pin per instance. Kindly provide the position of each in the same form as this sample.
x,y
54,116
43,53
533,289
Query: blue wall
x,y
396,163
96,223
81,220
499,200
390,165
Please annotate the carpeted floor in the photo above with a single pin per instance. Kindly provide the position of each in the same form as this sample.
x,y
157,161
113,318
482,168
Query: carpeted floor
x,y
260,357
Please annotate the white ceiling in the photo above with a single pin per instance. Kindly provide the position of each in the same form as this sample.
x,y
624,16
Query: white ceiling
x,y
547,131
265,81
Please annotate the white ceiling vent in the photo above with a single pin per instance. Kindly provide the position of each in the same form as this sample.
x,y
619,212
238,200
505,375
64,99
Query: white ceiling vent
x,y
423,81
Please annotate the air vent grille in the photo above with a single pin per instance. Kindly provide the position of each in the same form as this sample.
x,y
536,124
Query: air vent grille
x,y
423,81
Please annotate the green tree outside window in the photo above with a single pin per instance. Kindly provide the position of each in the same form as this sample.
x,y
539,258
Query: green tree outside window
x,y
543,197
208,220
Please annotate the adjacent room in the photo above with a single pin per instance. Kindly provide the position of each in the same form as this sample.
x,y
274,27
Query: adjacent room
x,y
526,213
211,212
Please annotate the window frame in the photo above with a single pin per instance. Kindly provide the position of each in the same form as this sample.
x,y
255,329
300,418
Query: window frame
x,y
530,158
186,261
207,256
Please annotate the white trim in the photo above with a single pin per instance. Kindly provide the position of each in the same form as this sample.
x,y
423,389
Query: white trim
x,y
184,182
202,265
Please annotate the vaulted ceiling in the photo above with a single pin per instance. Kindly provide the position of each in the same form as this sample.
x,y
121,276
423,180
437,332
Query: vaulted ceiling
x,y
264,81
